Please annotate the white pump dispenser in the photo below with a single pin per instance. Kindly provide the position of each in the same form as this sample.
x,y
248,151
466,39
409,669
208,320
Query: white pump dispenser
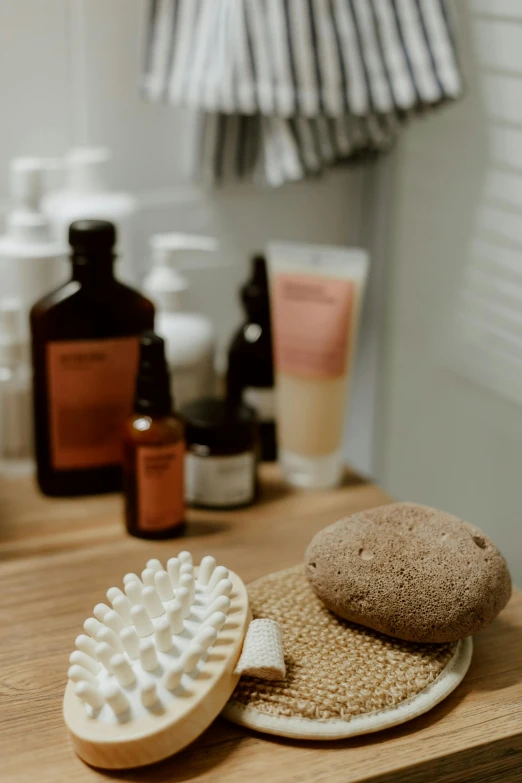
x,y
189,337
32,262
15,391
87,194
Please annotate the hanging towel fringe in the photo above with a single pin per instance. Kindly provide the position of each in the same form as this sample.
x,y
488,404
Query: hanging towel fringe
x,y
288,88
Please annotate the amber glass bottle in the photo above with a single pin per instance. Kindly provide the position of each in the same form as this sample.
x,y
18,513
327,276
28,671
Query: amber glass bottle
x,y
85,343
250,377
154,451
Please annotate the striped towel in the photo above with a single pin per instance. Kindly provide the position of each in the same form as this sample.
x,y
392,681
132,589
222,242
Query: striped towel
x,y
288,88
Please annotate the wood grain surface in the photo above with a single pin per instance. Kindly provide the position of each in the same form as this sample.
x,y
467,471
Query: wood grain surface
x,y
58,558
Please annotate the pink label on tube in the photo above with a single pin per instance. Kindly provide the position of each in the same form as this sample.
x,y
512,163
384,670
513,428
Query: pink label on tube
x,y
311,324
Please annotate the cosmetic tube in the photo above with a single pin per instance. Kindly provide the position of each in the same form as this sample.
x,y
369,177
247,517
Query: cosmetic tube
x,y
316,295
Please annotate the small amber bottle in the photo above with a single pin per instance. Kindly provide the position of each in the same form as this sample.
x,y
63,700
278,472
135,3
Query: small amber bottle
x,y
154,450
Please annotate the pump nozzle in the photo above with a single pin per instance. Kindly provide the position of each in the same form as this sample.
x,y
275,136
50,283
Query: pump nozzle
x,y
25,175
86,169
11,337
165,284
26,180
170,248
25,223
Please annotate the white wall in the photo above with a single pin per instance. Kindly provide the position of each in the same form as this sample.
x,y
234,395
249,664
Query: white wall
x,y
69,75
451,431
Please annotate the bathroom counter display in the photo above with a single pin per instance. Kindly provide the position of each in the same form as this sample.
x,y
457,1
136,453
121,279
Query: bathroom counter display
x,y
56,559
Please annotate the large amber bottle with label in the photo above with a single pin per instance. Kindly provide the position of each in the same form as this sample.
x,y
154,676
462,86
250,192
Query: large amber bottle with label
x,y
85,347
154,451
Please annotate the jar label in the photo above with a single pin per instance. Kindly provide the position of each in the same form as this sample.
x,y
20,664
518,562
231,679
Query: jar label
x,y
311,318
220,481
91,387
262,400
159,473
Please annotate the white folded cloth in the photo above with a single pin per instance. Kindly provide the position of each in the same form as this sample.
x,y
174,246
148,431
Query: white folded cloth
x,y
262,655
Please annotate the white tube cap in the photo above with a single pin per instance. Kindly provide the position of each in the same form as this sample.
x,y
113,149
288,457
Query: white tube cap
x,y
305,472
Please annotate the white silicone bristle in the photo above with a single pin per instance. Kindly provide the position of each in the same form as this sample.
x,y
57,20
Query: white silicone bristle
x,y
131,642
108,636
113,621
206,569
187,580
123,670
219,573
163,635
99,611
217,620
113,593
82,659
131,578
206,637
148,656
163,585
122,605
149,693
220,604
90,694
116,698
173,566
223,587
175,616
104,653
183,596
191,657
173,676
133,592
186,568
163,622
141,620
93,627
152,601
86,644
147,576
77,673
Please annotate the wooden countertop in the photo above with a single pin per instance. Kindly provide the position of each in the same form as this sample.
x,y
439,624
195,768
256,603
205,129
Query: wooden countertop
x,y
58,558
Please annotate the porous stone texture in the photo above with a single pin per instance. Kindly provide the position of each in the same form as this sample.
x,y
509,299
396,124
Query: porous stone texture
x,y
409,571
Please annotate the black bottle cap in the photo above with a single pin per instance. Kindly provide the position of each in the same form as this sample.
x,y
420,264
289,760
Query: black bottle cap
x,y
153,384
259,274
216,423
255,291
92,237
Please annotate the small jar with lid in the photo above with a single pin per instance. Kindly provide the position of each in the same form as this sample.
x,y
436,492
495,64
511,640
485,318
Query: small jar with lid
x,y
221,454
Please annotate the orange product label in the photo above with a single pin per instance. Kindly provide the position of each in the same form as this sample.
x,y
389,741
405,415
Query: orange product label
x,y
91,386
159,472
312,319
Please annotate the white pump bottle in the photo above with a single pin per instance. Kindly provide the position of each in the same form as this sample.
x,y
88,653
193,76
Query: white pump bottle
x,y
16,442
189,336
32,261
87,194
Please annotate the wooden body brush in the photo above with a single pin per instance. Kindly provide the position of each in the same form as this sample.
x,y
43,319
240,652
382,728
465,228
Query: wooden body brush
x,y
155,666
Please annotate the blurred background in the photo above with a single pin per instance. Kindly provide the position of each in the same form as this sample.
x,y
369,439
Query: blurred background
x,y
435,415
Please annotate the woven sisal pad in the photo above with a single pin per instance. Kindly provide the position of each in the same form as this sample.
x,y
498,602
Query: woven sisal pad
x,y
341,679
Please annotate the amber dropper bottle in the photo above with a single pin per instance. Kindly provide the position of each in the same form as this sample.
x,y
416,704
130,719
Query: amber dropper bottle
x,y
154,449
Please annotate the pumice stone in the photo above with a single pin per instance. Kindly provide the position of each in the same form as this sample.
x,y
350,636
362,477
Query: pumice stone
x,y
409,571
